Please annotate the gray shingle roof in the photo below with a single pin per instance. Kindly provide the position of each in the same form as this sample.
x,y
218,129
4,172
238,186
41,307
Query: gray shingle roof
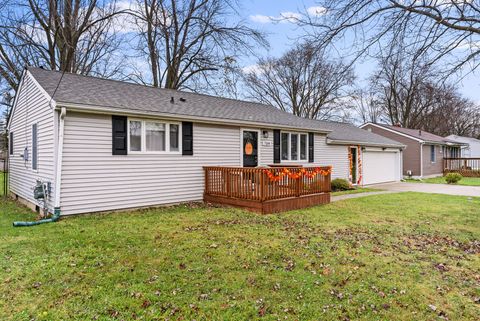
x,y
348,133
420,134
98,93
463,139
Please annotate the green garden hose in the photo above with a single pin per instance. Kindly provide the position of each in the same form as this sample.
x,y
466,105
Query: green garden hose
x,y
54,218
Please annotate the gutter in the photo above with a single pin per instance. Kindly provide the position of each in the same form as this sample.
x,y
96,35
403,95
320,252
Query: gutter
x,y
346,142
170,116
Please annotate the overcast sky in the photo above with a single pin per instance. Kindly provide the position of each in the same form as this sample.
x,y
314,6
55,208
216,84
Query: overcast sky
x,y
283,35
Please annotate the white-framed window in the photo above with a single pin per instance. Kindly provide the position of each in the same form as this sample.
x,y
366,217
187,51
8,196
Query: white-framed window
x,y
433,156
284,147
10,144
294,146
153,136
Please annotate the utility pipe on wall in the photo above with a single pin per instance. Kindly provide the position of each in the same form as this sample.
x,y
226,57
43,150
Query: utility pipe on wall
x,y
58,178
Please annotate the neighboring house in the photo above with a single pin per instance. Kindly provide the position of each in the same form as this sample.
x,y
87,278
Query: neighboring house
x,y
109,145
424,152
472,147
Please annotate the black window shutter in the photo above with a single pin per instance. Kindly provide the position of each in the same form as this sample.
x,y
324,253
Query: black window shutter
x,y
276,145
187,138
311,157
119,135
10,146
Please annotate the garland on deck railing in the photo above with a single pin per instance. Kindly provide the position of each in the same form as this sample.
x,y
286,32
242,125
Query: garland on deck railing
x,y
359,165
300,173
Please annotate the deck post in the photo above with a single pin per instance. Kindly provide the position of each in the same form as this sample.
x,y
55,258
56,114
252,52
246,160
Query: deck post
x,y
298,181
206,172
262,186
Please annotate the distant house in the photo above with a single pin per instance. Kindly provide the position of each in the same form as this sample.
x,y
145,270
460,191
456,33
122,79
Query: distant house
x,y
471,150
424,152
108,145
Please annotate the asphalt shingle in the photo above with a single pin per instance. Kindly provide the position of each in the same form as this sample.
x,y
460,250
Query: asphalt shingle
x,y
419,134
98,93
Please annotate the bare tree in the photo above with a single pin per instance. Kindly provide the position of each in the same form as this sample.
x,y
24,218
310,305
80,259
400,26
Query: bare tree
x,y
302,81
411,94
452,114
186,40
68,35
441,29
404,88
366,107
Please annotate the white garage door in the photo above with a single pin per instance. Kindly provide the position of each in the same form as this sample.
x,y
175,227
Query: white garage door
x,y
380,167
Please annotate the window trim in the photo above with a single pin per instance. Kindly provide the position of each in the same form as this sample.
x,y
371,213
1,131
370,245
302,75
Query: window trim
x,y
10,143
288,146
299,135
143,147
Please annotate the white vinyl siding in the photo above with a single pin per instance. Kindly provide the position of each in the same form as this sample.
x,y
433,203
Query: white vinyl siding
x,y
334,155
325,155
95,180
23,176
265,148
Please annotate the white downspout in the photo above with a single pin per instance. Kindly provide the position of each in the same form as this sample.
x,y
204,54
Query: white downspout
x,y
400,165
58,173
421,160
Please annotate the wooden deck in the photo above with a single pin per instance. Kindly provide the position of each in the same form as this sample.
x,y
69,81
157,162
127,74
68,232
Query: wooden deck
x,y
467,167
267,190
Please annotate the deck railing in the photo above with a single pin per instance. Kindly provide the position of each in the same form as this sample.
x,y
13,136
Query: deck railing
x,y
468,167
265,183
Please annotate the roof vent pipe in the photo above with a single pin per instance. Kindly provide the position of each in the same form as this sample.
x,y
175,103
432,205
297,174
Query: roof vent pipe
x,y
172,100
420,132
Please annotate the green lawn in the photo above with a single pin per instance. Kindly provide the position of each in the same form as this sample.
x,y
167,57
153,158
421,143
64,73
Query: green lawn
x,y
2,177
468,181
356,191
402,256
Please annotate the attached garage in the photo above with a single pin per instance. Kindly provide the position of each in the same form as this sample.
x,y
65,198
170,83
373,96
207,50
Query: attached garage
x,y
367,158
381,166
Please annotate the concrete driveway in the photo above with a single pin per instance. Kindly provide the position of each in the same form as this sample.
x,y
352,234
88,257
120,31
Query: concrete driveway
x,y
431,188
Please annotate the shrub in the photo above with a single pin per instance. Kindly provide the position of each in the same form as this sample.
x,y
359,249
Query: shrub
x,y
453,178
340,184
